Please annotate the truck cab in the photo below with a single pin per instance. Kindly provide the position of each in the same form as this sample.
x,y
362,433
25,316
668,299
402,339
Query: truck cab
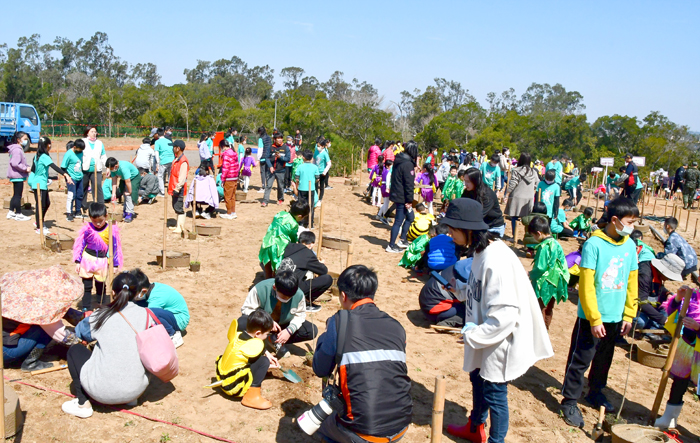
x,y
18,117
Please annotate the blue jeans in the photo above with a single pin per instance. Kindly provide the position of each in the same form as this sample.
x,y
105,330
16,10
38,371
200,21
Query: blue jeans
x,y
35,337
456,309
74,201
403,217
494,397
644,322
167,318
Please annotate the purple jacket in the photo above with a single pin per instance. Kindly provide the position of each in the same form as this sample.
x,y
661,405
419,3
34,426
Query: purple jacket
x,y
18,162
89,238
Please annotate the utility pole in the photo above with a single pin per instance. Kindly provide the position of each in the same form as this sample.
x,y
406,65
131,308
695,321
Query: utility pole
x,y
275,124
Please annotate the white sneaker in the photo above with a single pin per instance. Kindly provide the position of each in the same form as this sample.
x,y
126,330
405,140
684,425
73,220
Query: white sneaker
x,y
205,215
402,244
46,231
318,204
260,191
11,215
21,217
73,408
233,215
197,214
177,339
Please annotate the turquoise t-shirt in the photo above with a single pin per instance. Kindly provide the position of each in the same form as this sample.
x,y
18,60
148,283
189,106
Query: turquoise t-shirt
x,y
73,164
557,168
92,160
611,181
107,189
557,223
573,183
41,173
548,194
306,172
241,152
646,254
126,170
164,147
321,158
261,148
490,174
166,297
612,264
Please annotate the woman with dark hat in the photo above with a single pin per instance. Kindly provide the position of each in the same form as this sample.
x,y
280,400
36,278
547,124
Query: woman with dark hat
x,y
504,333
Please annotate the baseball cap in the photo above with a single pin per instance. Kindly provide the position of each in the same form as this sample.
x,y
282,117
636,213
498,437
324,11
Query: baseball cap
x,y
180,144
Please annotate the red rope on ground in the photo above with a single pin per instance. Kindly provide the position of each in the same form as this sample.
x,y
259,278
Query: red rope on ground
x,y
214,437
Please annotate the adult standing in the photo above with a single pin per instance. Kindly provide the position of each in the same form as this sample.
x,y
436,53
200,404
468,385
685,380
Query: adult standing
x,y
558,169
690,185
298,139
264,145
276,162
505,165
17,171
94,159
164,157
678,178
403,177
521,190
323,163
632,184
504,332
475,189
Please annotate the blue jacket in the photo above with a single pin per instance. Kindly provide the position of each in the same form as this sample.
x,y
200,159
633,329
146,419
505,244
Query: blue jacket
x,y
442,252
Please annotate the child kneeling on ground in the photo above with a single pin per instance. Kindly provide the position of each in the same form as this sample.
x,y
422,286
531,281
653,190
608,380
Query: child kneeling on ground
x,y
245,362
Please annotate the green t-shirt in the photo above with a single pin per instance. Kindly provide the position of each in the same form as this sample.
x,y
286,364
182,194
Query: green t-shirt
x,y
164,148
646,253
321,158
612,264
557,223
126,170
573,183
611,181
548,194
490,174
41,173
241,152
557,168
166,297
107,189
305,173
92,160
73,164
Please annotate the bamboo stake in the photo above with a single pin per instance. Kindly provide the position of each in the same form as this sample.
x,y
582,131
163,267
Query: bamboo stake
x,y
438,409
110,252
41,217
194,205
671,354
597,202
94,185
165,226
687,220
311,206
319,240
665,208
47,370
588,202
653,211
641,217
696,228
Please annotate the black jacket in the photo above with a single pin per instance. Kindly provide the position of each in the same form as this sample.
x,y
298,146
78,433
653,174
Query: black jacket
x,y
267,145
493,216
278,163
403,179
305,260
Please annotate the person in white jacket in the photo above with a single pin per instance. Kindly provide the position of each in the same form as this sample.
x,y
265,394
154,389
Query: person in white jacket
x,y
504,332
94,160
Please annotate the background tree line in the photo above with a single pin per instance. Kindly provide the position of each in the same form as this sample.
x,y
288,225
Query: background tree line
x,y
85,82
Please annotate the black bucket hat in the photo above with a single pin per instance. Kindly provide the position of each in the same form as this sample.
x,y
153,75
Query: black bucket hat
x,y
465,213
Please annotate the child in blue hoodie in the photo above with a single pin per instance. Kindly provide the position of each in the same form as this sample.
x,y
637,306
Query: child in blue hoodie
x,y
441,252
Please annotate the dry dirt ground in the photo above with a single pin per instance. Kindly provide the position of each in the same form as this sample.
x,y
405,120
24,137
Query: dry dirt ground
x,y
214,295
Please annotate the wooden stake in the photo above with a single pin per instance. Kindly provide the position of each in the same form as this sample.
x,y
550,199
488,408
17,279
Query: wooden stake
x,y
194,204
641,216
2,382
597,202
311,206
696,228
438,409
588,202
653,211
52,369
110,252
41,219
665,208
319,240
671,355
165,226
352,164
687,220
94,185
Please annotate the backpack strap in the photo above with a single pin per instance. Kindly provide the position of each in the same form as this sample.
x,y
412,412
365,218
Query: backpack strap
x,y
342,332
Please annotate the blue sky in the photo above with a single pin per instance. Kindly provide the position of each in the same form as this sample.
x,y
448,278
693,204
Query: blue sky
x,y
625,57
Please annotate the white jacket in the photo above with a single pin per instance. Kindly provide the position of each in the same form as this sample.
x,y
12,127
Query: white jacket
x,y
510,336
98,154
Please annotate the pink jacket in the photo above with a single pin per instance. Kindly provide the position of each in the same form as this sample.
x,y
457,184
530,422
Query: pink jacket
x,y
388,154
18,162
373,156
229,166
89,238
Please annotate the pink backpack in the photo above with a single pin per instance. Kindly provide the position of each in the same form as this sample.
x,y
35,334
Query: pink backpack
x,y
156,349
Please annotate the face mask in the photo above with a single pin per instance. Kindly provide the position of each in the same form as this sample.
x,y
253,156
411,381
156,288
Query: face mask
x,y
92,139
625,231
25,143
549,182
283,300
140,296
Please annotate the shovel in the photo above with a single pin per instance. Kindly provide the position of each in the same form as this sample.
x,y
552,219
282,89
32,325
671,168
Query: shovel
x,y
287,373
597,433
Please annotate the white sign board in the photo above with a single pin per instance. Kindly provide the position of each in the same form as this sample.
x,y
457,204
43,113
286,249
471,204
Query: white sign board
x,y
607,161
640,161
596,169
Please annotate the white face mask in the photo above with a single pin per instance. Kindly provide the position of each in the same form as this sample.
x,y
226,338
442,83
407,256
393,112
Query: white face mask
x,y
625,231
281,300
549,182
25,142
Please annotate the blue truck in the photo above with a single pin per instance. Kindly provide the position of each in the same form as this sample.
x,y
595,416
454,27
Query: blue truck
x,y
18,117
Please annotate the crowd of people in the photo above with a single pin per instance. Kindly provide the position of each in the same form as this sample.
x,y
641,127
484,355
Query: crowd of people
x,y
448,222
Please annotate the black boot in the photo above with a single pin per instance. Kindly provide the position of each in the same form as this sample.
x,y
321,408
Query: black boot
x,y
32,362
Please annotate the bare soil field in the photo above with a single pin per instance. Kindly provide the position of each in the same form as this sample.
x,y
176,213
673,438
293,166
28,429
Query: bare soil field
x,y
215,295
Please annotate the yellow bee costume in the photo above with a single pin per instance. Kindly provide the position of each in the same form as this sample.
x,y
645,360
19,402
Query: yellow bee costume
x,y
232,367
420,226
